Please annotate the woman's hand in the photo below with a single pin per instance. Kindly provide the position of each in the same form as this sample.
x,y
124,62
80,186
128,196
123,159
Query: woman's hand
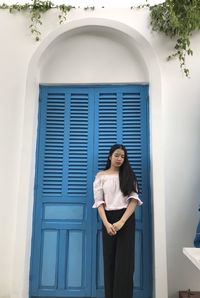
x,y
129,211
110,229
118,225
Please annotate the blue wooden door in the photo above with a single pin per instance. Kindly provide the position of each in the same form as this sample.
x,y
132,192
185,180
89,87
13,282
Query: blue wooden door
x,y
77,126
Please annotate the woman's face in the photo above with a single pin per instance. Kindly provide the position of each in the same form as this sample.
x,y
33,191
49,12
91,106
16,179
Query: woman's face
x,y
117,158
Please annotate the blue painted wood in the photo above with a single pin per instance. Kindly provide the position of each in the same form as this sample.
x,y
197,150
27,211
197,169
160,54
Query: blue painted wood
x,y
63,212
138,261
99,269
75,257
49,259
77,126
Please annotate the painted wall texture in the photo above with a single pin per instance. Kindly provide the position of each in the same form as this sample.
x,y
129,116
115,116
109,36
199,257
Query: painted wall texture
x,y
96,52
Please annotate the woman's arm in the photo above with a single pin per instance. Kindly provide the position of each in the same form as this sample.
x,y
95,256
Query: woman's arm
x,y
109,227
129,211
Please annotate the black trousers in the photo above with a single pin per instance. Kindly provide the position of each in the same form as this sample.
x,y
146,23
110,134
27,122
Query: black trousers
x,y
118,253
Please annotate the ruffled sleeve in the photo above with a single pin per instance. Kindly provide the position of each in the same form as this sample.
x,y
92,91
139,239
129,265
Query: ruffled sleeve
x,y
98,192
135,196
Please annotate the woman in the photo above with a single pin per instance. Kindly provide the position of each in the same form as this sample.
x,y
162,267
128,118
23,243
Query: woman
x,y
116,197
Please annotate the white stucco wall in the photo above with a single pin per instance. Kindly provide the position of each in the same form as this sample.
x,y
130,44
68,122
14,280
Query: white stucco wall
x,y
129,53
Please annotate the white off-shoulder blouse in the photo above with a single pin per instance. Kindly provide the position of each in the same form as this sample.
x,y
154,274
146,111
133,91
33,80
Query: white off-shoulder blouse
x,y
107,191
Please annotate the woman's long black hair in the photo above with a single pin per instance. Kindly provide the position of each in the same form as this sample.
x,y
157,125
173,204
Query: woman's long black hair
x,y
127,179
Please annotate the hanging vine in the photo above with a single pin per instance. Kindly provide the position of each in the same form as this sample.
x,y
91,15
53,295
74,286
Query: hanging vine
x,y
178,20
36,8
174,18
64,9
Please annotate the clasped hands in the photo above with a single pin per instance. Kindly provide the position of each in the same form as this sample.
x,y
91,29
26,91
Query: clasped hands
x,y
112,229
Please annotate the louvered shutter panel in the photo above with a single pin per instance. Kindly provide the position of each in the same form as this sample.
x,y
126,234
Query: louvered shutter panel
x,y
78,146
106,105
77,169
106,114
135,136
48,188
53,142
121,115
63,247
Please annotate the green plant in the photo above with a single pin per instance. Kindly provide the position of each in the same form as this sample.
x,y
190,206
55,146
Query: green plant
x,y
64,11
177,19
36,8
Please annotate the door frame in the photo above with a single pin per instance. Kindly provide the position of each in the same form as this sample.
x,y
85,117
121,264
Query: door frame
x,y
91,90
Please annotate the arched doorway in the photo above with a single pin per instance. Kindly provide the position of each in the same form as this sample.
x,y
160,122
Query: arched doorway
x,y
30,120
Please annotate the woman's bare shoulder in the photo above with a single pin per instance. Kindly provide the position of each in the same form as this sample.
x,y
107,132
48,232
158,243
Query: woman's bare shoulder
x,y
101,173
106,173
